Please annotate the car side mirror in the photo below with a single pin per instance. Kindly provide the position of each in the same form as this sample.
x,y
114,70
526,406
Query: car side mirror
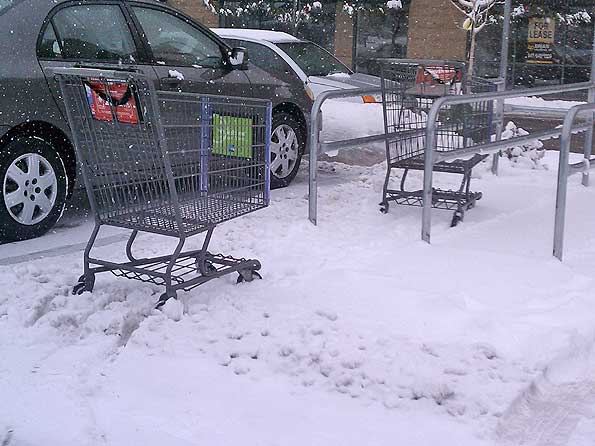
x,y
238,58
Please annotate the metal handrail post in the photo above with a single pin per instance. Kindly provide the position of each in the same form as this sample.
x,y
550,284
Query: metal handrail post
x,y
562,190
315,121
431,144
564,172
588,147
501,85
503,78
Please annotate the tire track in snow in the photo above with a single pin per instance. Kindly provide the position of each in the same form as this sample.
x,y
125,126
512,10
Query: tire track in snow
x,y
546,414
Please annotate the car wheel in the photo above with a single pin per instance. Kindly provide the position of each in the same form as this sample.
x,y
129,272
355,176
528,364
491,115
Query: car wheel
x,y
33,189
287,147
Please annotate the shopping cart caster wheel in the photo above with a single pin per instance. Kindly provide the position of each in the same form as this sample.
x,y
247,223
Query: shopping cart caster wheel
x,y
248,276
384,208
78,289
83,285
163,299
209,267
456,219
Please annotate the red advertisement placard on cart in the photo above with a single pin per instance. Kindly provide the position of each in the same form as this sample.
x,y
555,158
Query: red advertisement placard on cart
x,y
119,95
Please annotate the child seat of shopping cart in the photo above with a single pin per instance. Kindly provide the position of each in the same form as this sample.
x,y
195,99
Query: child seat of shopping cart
x,y
166,163
409,89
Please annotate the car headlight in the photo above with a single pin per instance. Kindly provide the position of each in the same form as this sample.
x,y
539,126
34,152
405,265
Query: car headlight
x,y
370,99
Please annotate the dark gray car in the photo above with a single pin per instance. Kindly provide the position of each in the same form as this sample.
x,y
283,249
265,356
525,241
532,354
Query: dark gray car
x,y
37,161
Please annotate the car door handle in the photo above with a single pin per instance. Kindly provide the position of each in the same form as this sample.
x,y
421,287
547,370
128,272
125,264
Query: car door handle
x,y
170,81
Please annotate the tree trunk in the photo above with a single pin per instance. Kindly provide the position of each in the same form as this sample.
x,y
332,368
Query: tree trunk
x,y
472,54
471,60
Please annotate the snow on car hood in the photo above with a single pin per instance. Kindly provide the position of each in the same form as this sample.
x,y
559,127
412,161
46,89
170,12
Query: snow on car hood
x,y
342,81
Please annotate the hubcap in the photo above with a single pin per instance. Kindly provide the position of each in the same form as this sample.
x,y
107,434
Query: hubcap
x,y
284,151
30,188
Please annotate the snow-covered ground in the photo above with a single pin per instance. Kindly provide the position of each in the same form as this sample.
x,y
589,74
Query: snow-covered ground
x,y
359,334
542,103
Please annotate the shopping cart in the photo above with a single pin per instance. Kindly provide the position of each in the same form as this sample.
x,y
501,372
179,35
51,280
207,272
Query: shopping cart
x,y
167,163
409,89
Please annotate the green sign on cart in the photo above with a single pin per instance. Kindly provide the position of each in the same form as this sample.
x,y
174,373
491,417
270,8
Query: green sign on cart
x,y
232,136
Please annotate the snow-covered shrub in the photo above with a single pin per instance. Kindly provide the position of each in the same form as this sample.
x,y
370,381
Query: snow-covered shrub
x,y
527,154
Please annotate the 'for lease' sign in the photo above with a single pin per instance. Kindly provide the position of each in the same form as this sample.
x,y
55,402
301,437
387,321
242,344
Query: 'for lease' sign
x,y
541,38
542,30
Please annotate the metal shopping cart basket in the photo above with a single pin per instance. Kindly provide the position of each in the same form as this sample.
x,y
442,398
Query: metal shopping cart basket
x,y
409,89
167,163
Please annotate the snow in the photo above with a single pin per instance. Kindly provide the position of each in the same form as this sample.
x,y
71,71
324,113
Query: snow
x,y
394,4
257,34
176,75
542,103
339,76
370,122
359,333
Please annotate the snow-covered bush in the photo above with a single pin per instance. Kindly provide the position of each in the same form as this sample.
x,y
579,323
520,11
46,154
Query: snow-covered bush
x,y
528,154
394,4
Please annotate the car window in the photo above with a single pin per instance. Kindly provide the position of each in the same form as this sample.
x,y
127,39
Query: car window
x,y
174,41
263,57
49,47
91,32
314,60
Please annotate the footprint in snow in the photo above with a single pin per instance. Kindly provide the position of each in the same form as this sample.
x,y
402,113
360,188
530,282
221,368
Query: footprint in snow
x,y
330,315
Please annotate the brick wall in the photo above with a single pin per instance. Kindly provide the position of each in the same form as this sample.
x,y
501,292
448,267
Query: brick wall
x,y
344,35
197,10
435,31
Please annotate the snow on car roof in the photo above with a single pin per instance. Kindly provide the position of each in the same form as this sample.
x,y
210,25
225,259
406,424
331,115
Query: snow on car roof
x,y
257,34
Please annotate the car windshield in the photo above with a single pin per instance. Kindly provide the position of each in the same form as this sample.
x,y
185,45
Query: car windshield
x,y
312,59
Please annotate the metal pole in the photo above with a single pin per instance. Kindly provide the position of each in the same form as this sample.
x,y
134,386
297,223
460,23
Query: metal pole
x,y
315,121
502,79
588,147
426,218
561,194
431,141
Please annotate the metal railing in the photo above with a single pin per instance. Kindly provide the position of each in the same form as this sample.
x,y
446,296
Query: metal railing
x,y
432,156
565,169
317,147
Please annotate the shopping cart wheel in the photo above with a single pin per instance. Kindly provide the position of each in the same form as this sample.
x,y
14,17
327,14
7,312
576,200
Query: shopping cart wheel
x,y
84,284
384,208
456,218
162,299
248,276
209,267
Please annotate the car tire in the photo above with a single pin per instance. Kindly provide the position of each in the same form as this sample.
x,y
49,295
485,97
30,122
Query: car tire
x,y
33,189
288,141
